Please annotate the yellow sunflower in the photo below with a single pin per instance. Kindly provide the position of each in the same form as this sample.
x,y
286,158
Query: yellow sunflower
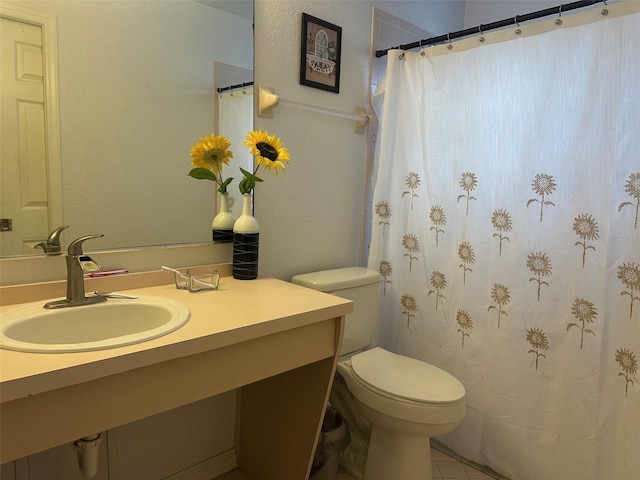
x,y
208,156
268,151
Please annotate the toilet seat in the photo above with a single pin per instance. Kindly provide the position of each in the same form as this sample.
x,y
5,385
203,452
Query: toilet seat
x,y
405,379
385,399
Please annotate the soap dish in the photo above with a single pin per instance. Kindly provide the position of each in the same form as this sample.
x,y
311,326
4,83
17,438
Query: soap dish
x,y
203,281
197,280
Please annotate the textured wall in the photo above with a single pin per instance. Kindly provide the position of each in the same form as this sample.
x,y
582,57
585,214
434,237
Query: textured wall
x,y
311,216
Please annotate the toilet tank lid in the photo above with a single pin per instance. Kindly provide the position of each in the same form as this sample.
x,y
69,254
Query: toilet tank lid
x,y
337,278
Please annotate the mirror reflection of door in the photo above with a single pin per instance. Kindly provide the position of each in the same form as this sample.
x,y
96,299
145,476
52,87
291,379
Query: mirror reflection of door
x,y
25,201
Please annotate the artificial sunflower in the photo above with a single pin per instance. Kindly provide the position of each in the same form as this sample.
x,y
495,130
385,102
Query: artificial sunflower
x,y
268,152
208,156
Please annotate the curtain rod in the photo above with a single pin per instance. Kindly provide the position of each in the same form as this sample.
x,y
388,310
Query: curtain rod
x,y
494,25
233,87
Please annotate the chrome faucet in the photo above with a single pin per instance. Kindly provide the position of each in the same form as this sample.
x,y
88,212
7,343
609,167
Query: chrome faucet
x,y
52,244
77,264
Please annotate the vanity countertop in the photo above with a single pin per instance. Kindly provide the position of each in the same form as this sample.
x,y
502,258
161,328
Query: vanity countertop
x,y
277,343
237,312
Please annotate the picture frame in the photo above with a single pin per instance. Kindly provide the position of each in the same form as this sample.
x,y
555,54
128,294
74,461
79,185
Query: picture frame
x,y
320,54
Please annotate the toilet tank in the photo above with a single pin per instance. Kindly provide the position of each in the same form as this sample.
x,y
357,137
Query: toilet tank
x,y
354,283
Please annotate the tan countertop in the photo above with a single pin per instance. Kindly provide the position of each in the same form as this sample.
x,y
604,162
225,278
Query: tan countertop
x,y
237,312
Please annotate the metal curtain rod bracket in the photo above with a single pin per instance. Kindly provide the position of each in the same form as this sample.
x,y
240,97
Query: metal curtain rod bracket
x,y
494,25
268,100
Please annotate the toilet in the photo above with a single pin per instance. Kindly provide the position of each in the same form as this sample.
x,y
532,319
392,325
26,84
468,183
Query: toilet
x,y
392,403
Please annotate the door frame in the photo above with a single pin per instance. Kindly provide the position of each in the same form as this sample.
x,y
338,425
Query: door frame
x,y
49,26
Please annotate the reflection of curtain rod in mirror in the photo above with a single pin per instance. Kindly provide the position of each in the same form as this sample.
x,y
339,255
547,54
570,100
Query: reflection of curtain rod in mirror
x,y
235,87
268,100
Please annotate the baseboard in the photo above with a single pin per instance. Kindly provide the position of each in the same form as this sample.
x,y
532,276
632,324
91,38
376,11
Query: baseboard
x,y
209,469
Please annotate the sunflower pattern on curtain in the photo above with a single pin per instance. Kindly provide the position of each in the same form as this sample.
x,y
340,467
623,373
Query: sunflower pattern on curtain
x,y
505,227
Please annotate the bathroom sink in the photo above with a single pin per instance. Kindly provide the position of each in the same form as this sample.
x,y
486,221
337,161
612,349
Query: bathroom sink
x,y
114,323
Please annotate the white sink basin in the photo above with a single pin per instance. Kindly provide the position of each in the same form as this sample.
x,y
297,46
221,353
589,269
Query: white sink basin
x,y
114,323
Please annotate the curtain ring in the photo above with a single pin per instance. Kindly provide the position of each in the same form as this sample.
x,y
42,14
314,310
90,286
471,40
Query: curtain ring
x,y
559,19
402,56
481,39
450,46
518,30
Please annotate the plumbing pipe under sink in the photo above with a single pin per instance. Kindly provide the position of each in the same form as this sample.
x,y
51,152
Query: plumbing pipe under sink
x,y
87,450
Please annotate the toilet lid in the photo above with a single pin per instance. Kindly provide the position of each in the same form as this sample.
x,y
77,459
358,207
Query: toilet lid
x,y
406,377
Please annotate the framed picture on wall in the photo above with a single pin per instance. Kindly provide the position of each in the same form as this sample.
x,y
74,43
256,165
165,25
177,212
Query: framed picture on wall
x,y
320,54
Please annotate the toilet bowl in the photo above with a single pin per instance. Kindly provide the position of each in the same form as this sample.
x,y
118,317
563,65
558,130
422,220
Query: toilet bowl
x,y
399,404
392,403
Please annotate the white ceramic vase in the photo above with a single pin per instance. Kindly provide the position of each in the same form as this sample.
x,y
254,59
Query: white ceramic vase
x,y
246,240
222,225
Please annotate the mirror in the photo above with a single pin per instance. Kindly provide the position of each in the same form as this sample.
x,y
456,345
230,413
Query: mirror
x,y
136,88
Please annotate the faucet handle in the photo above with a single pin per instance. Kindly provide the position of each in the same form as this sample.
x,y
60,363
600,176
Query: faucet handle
x,y
54,236
75,247
52,244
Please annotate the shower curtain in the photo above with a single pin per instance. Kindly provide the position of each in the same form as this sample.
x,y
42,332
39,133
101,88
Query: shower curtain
x,y
235,117
506,227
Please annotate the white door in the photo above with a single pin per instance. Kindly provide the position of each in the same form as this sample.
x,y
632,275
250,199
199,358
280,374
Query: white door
x,y
23,158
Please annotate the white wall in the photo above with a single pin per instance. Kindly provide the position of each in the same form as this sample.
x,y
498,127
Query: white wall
x,y
436,16
311,215
479,12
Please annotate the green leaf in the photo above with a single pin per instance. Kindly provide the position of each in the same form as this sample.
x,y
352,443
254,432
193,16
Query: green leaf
x,y
223,186
247,184
202,174
254,178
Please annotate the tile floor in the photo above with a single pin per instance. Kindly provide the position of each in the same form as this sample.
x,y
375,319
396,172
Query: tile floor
x,y
444,468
